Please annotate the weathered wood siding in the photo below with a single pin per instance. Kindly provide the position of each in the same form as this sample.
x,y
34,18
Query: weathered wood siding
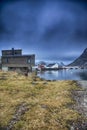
x,y
18,61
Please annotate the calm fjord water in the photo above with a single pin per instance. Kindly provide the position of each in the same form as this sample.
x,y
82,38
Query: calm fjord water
x,y
64,74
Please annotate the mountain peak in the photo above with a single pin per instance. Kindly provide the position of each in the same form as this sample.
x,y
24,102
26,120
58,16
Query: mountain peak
x,y
81,60
85,51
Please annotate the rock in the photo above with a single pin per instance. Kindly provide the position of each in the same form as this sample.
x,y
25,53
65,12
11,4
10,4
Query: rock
x,y
72,128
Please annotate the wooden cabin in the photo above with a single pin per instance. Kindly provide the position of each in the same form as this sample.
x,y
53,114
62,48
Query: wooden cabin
x,y
14,60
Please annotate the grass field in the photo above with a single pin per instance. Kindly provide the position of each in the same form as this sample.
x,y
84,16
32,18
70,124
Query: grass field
x,y
29,103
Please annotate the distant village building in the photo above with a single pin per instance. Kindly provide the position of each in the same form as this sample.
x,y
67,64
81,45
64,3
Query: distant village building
x,y
54,65
14,60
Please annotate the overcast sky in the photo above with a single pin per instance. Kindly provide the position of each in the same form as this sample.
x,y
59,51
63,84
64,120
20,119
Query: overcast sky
x,y
52,29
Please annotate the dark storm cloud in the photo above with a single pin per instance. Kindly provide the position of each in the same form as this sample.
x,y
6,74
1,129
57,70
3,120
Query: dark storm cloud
x,y
56,27
55,31
71,24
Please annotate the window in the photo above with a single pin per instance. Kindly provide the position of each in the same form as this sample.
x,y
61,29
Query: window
x,y
5,60
28,61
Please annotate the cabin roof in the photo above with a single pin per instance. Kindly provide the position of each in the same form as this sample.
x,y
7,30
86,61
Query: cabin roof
x,y
18,55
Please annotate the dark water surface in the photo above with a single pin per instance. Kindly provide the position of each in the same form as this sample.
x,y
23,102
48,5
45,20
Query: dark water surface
x,y
64,74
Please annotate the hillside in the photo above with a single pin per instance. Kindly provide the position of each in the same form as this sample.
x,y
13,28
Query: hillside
x,y
81,60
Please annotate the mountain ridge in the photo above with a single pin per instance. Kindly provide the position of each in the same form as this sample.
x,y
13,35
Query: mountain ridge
x,y
81,60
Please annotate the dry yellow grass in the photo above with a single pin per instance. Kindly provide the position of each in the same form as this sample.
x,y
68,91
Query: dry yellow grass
x,y
49,103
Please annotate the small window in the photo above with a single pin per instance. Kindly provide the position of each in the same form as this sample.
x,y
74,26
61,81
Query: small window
x,y
28,61
5,60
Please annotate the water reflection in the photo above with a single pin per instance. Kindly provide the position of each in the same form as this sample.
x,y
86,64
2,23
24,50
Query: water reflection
x,y
68,74
83,75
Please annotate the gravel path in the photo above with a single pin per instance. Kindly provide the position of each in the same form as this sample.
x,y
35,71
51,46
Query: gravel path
x,y
81,98
21,109
82,83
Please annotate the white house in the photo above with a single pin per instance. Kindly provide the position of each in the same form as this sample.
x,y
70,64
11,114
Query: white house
x,y
53,66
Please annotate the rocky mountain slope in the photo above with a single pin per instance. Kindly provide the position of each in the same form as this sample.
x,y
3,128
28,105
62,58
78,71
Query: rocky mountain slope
x,y
81,60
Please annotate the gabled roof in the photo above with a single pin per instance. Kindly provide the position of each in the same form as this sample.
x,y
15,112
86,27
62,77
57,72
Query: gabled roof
x,y
50,65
